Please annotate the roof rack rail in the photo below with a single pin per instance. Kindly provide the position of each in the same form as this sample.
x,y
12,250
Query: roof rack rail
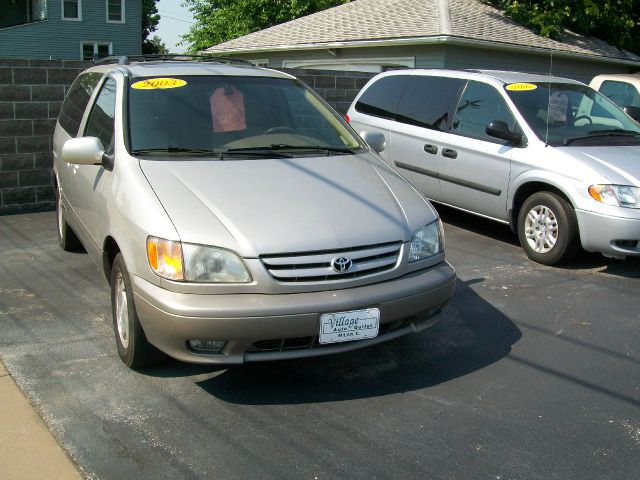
x,y
179,57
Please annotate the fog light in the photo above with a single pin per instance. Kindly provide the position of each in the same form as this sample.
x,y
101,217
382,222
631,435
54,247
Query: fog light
x,y
207,346
627,243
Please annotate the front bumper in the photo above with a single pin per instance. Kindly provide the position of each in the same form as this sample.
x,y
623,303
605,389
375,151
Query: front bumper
x,y
609,235
170,319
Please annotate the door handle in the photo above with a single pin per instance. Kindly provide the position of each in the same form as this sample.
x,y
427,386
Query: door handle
x,y
431,149
449,153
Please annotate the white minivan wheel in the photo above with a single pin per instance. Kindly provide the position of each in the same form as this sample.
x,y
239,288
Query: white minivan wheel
x,y
547,229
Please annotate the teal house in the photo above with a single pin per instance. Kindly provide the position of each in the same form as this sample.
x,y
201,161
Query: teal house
x,y
70,29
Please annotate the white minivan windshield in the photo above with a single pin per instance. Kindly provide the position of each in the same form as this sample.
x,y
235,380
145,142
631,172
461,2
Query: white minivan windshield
x,y
572,114
232,116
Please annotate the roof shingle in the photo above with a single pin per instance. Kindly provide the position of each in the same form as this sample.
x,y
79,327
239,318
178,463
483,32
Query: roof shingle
x,y
386,20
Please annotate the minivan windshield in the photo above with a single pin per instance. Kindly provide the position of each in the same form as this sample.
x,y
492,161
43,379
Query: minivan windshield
x,y
572,114
232,116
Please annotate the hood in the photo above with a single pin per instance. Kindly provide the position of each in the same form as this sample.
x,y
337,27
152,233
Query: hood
x,y
619,164
260,206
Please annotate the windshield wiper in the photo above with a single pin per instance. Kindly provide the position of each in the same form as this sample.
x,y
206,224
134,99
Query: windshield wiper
x,y
614,132
279,147
172,149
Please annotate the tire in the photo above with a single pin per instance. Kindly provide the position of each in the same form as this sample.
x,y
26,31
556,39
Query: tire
x,y
133,347
547,229
67,238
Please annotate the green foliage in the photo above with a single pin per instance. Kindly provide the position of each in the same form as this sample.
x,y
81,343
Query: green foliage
x,y
150,19
221,20
614,21
157,45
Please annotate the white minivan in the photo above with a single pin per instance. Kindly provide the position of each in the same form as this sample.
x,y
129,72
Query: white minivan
x,y
556,160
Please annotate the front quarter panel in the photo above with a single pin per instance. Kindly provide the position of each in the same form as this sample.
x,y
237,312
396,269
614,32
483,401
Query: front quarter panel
x,y
130,210
544,164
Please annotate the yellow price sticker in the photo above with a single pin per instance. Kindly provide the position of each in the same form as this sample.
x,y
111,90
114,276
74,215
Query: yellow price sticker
x,y
158,84
521,87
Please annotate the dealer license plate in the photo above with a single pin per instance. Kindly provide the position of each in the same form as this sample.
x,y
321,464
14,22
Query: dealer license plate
x,y
348,326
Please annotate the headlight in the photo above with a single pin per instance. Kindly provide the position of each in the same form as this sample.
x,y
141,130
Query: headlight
x,y
617,195
195,263
213,265
427,241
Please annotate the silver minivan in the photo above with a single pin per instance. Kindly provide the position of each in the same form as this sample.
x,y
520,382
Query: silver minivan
x,y
549,156
238,218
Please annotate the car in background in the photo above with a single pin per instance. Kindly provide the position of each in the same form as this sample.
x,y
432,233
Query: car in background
x,y
237,218
549,156
621,89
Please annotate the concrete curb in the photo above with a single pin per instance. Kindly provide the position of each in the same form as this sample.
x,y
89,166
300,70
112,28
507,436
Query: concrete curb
x,y
27,447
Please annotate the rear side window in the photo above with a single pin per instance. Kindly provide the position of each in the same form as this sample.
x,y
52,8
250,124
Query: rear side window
x,y
101,119
429,102
76,102
381,98
622,94
480,105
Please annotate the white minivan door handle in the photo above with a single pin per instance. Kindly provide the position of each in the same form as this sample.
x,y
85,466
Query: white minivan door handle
x,y
449,153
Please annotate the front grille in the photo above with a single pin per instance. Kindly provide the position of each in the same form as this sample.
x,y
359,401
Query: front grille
x,y
304,343
316,266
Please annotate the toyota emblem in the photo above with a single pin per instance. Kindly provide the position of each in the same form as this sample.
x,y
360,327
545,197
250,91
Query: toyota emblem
x,y
342,264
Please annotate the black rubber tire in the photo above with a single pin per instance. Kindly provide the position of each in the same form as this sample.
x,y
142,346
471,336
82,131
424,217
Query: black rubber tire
x,y
138,353
67,238
567,242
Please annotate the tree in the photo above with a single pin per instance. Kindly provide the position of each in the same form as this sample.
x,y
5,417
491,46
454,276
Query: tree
x,y
158,46
614,21
221,20
150,19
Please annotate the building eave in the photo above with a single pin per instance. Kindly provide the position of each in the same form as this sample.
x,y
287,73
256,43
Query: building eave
x,y
431,40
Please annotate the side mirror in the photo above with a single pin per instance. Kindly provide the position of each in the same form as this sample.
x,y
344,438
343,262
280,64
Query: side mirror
x,y
633,112
83,151
375,140
500,129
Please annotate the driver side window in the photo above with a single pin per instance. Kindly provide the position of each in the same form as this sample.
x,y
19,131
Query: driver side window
x,y
101,122
480,105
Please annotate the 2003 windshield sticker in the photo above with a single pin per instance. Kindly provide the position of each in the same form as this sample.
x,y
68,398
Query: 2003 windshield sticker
x,y
158,84
520,87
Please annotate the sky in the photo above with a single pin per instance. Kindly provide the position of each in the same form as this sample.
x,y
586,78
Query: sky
x,y
175,20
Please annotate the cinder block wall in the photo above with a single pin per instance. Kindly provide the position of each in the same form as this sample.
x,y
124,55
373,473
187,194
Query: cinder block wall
x,y
337,88
31,93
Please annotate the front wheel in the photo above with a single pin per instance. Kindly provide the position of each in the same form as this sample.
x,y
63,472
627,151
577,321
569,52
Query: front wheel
x,y
547,229
133,347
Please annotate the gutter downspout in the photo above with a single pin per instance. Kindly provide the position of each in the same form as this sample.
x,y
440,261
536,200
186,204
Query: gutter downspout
x,y
444,17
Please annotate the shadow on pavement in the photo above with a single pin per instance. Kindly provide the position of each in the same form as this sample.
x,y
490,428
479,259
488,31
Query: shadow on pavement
x,y
472,335
473,223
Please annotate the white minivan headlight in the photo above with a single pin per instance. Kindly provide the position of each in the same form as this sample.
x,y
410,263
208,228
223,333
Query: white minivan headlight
x,y
617,195
175,260
427,241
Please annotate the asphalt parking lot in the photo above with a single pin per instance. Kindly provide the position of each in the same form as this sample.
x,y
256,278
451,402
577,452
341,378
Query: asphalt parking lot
x,y
534,373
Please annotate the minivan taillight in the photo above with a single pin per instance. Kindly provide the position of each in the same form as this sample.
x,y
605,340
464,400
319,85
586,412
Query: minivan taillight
x,y
346,117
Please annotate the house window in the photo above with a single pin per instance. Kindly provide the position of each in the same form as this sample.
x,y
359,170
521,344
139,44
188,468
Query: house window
x,y
37,10
72,10
95,50
115,11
